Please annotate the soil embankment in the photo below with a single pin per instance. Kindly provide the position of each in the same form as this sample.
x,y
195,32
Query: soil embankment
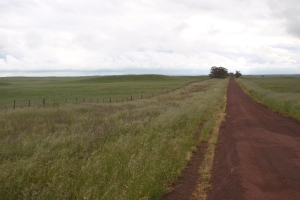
x,y
258,152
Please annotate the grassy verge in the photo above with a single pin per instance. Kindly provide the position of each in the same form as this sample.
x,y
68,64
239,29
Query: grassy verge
x,y
210,132
278,93
91,151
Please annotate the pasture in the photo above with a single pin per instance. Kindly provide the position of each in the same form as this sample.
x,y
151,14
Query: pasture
x,y
71,89
130,150
280,93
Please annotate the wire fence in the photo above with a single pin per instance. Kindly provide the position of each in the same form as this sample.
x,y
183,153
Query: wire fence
x,y
44,102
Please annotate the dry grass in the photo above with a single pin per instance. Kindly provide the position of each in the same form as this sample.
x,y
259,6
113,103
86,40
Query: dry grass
x,y
212,127
99,151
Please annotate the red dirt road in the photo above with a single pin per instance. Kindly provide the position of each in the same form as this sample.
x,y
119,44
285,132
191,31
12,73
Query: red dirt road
x,y
257,154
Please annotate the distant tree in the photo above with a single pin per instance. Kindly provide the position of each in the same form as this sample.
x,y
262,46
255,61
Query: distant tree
x,y
231,74
237,74
218,72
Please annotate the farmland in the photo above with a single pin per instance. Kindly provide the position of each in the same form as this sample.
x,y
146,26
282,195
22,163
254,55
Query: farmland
x,y
129,150
277,92
70,89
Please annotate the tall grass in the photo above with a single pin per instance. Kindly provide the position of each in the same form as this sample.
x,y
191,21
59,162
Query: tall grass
x,y
279,93
97,151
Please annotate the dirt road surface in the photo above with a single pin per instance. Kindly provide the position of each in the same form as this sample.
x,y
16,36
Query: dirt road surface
x,y
258,152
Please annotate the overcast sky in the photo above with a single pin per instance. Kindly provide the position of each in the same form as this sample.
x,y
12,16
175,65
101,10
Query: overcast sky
x,y
187,37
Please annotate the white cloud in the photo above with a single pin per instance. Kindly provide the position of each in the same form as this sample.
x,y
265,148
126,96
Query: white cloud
x,y
143,36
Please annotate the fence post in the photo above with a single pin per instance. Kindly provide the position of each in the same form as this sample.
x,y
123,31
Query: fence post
x,y
131,98
109,100
43,102
14,104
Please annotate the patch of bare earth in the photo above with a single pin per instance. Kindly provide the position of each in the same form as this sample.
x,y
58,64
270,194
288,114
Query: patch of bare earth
x,y
186,184
258,152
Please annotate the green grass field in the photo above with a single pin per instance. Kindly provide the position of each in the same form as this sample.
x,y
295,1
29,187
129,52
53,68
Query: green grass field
x,y
58,90
130,150
277,92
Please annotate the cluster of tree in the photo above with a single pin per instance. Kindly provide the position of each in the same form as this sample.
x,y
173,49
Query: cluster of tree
x,y
218,72
221,72
237,74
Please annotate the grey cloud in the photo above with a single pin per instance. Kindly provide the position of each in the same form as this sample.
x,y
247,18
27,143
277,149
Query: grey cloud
x,y
257,59
2,55
289,12
293,27
181,27
287,47
213,30
3,41
34,39
13,5
251,58
207,6
232,9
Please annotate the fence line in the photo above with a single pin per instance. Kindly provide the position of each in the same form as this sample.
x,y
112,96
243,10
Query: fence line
x,y
110,100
